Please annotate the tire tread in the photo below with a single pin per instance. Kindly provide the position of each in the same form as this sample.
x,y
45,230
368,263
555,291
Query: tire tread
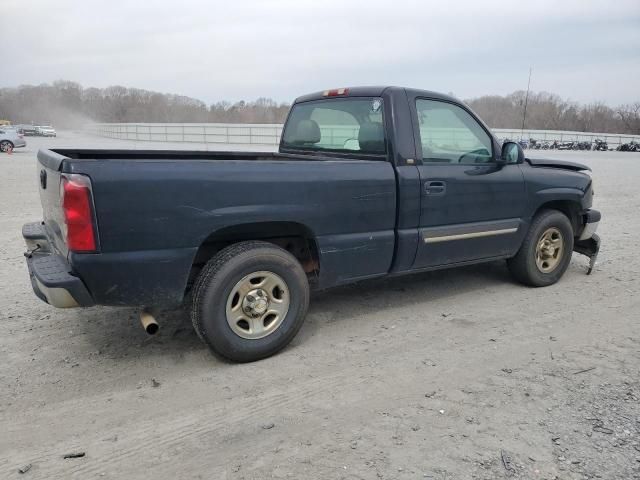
x,y
208,274
519,264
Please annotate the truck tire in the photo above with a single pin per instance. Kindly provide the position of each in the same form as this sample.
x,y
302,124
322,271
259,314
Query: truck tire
x,y
249,301
546,250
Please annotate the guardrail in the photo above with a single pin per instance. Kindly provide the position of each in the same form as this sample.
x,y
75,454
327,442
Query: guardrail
x,y
250,134
269,134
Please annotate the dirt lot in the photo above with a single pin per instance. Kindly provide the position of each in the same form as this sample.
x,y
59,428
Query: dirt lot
x,y
453,374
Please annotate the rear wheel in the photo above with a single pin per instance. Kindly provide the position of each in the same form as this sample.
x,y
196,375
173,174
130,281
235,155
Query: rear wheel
x,y
249,301
5,146
546,250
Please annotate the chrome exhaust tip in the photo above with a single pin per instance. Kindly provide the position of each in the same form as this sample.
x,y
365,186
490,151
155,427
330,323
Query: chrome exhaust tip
x,y
149,322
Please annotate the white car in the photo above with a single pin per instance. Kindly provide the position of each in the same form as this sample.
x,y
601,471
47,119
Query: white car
x,y
10,138
45,131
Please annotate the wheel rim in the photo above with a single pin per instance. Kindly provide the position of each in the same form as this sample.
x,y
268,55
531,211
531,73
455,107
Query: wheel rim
x,y
257,305
549,250
4,146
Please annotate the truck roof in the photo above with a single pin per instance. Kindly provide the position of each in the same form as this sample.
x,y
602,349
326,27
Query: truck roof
x,y
375,91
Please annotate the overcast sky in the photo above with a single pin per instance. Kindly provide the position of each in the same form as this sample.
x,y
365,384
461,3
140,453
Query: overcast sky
x,y
242,49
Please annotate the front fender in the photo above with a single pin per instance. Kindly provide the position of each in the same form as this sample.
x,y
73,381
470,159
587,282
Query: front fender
x,y
558,194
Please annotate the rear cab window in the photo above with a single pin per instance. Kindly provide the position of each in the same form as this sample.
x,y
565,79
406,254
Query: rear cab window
x,y
350,127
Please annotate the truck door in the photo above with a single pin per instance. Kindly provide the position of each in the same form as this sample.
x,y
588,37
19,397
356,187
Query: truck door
x,y
471,208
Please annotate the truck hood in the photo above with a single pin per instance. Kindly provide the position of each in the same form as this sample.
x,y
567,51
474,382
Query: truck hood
x,y
539,162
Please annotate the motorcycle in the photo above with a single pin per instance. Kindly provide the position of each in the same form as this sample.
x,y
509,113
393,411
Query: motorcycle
x,y
600,145
632,146
566,146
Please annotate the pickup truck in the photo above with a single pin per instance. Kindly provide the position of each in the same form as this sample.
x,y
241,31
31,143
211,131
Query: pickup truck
x,y
367,182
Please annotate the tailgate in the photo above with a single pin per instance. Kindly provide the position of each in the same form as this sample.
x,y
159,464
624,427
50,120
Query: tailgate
x,y
49,166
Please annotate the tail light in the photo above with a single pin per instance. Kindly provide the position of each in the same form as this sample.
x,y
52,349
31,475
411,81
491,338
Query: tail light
x,y
77,206
336,92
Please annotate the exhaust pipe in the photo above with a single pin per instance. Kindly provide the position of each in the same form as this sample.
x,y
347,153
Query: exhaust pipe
x,y
148,322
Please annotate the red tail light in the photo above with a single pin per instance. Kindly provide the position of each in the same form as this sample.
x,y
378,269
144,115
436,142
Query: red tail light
x,y
336,92
78,213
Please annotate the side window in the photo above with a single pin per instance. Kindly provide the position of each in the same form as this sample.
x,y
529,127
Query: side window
x,y
448,134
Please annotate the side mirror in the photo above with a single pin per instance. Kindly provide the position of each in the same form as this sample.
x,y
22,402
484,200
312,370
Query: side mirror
x,y
511,153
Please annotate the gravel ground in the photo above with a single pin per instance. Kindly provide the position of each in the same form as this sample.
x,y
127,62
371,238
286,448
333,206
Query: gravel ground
x,y
450,374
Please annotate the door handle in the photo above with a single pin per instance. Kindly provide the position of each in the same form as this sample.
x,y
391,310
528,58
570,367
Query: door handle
x,y
435,187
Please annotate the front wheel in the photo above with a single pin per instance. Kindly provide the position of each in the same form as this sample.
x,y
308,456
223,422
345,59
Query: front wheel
x,y
6,146
250,300
546,250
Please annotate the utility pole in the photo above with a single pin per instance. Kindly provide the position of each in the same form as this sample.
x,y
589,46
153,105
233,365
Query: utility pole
x,y
526,100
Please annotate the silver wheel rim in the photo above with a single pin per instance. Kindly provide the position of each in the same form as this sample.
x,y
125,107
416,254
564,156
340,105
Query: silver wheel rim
x,y
257,305
549,250
4,146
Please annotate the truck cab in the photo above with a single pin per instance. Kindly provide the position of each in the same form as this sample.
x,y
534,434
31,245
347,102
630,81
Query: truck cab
x,y
460,199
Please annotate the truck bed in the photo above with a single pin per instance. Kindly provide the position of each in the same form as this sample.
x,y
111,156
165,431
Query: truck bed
x,y
156,209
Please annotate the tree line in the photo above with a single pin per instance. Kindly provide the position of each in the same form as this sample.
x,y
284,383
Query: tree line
x,y
67,104
547,111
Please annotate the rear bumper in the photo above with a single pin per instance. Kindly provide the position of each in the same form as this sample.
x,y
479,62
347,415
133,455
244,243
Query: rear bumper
x,y
49,272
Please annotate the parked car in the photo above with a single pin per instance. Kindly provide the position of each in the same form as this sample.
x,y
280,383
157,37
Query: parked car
x,y
29,130
45,131
11,138
417,182
15,128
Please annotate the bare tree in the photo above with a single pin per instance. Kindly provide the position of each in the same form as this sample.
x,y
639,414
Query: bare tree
x,y
67,104
630,117
547,111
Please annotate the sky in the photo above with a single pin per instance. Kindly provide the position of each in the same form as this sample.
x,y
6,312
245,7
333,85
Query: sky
x,y
244,49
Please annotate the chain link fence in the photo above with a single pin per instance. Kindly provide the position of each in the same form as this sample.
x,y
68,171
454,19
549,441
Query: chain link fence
x,y
269,134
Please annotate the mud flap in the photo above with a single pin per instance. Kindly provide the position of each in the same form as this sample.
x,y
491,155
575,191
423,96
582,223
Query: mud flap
x,y
589,247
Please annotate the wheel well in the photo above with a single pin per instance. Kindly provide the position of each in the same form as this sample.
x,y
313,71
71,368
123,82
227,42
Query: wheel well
x,y
293,237
569,208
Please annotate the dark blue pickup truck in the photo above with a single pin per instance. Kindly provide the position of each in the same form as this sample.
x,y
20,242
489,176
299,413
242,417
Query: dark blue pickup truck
x,y
368,181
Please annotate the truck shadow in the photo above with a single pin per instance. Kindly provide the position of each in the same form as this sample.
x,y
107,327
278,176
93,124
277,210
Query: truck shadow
x,y
109,332
370,297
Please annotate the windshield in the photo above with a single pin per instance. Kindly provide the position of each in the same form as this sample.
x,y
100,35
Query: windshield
x,y
345,125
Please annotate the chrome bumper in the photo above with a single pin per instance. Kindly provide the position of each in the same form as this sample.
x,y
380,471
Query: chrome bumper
x,y
588,243
50,274
589,230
